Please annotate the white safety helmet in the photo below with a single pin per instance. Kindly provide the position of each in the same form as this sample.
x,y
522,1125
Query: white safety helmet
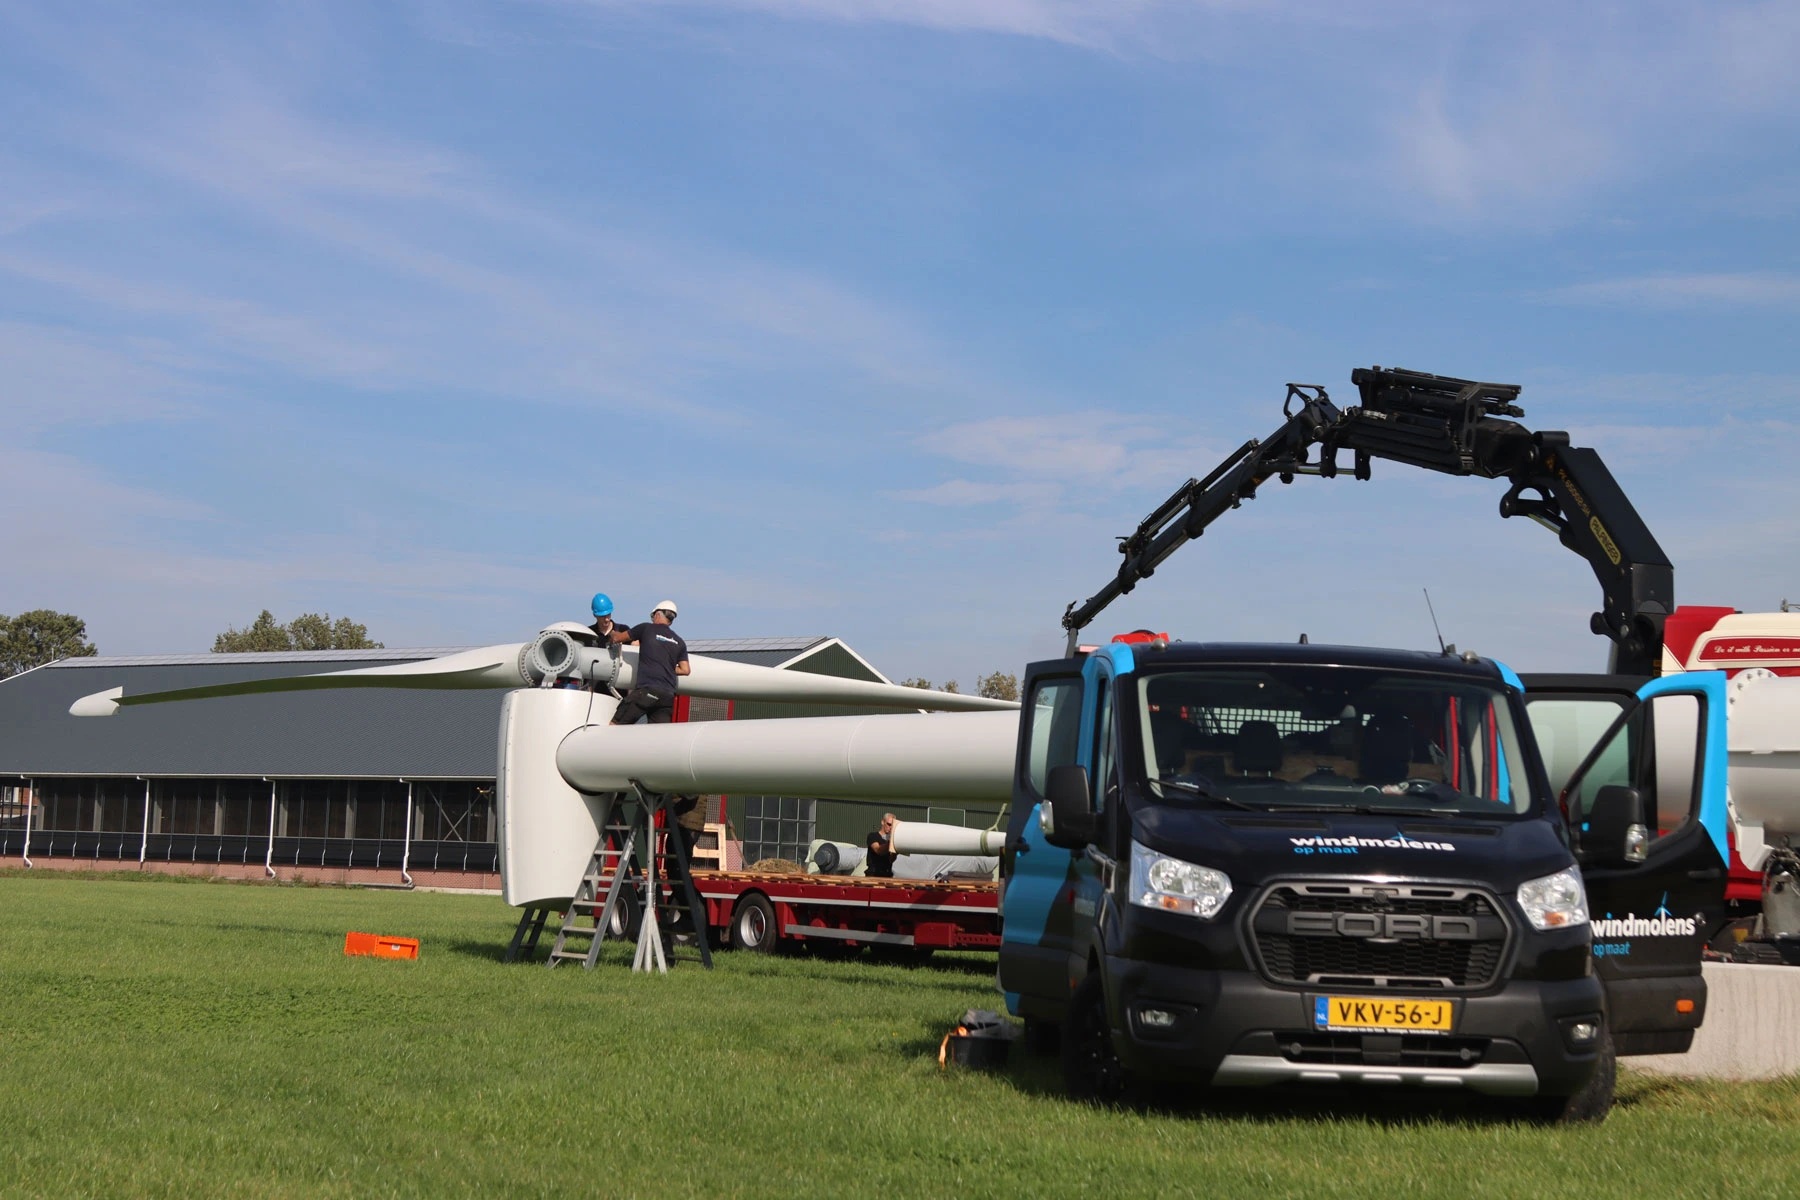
x,y
667,606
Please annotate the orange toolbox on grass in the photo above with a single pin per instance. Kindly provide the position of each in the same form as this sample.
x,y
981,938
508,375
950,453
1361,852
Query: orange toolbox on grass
x,y
381,947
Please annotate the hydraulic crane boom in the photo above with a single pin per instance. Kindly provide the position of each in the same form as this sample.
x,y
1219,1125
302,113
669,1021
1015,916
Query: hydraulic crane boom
x,y
1458,427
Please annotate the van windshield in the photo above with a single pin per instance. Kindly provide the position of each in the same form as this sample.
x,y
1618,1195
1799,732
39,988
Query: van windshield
x,y
1350,738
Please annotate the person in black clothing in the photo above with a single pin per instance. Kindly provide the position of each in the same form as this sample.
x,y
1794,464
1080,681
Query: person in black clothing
x,y
662,657
881,850
603,627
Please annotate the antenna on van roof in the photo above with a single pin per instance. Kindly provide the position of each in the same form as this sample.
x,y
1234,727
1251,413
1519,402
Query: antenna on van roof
x,y
1450,649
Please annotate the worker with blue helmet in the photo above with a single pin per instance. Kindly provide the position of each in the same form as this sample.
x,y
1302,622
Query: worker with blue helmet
x,y
603,627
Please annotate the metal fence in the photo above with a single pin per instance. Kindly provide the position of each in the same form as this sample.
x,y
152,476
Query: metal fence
x,y
447,825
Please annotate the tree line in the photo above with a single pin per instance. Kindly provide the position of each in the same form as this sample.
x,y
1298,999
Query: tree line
x,y
308,631
44,635
998,686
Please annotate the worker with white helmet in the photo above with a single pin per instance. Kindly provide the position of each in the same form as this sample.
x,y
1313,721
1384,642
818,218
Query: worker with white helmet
x,y
662,657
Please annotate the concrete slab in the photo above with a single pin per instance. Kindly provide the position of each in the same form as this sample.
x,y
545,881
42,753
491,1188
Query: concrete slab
x,y
1752,1028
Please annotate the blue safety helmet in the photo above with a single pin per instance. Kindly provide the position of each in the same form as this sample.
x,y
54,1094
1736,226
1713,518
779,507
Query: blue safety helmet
x,y
602,605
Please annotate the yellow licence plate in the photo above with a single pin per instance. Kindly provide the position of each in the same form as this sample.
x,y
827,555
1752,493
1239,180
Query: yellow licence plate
x,y
1387,1016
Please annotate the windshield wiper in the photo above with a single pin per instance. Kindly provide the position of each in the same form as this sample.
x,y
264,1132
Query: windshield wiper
x,y
1370,810
1206,793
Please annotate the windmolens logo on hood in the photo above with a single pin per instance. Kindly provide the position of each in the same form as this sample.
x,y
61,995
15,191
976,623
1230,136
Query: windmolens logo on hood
x,y
1351,845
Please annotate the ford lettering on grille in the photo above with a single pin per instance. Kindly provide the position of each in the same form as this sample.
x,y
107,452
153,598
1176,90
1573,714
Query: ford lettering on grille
x,y
1389,926
1378,934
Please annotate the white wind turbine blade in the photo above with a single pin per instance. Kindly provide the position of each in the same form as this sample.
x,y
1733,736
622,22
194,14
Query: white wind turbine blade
x,y
967,756
722,679
487,667
520,664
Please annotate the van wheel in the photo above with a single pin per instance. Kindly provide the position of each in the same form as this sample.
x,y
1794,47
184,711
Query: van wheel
x,y
1092,1072
1588,1106
753,925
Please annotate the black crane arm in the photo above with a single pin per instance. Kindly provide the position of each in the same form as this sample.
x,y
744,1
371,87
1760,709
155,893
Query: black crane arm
x,y
1454,426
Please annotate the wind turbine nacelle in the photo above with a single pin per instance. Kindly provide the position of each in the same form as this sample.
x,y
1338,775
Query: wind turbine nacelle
x,y
570,651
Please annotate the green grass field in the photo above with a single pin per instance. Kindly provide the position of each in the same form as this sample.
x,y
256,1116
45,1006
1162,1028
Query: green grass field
x,y
177,1038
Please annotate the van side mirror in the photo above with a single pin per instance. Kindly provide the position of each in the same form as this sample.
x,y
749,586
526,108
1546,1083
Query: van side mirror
x,y
1615,832
1067,814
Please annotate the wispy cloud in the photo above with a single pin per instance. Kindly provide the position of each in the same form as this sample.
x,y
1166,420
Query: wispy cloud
x,y
965,493
1465,116
1093,24
1076,445
56,378
1041,462
1744,289
301,308
614,306
90,535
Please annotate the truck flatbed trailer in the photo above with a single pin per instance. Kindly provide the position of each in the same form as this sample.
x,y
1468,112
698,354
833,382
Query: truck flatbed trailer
x,y
763,910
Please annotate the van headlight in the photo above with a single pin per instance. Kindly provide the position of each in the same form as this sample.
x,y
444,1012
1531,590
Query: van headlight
x,y
1158,881
1555,901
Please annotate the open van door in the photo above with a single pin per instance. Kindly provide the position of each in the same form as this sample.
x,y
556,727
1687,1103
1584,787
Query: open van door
x,y
1640,772
1036,904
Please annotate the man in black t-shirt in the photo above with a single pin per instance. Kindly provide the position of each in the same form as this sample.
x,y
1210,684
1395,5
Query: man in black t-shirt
x,y
662,657
881,855
603,627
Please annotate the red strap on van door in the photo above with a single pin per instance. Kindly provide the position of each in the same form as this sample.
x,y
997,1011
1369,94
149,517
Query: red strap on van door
x,y
1493,756
1455,747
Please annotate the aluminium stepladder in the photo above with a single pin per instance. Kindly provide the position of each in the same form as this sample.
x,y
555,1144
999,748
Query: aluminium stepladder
x,y
635,861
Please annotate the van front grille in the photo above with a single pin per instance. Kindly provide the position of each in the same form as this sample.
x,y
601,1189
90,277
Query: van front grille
x,y
1379,935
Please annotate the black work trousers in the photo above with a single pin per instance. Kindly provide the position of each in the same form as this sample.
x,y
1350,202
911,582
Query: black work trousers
x,y
651,704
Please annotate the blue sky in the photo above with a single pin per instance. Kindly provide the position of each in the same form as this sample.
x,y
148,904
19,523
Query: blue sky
x,y
878,319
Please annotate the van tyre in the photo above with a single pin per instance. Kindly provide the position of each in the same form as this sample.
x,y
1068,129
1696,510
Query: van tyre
x,y
753,925
1092,1072
1591,1104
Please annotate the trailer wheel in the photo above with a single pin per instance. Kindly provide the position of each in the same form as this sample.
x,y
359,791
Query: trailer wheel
x,y
627,917
753,925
